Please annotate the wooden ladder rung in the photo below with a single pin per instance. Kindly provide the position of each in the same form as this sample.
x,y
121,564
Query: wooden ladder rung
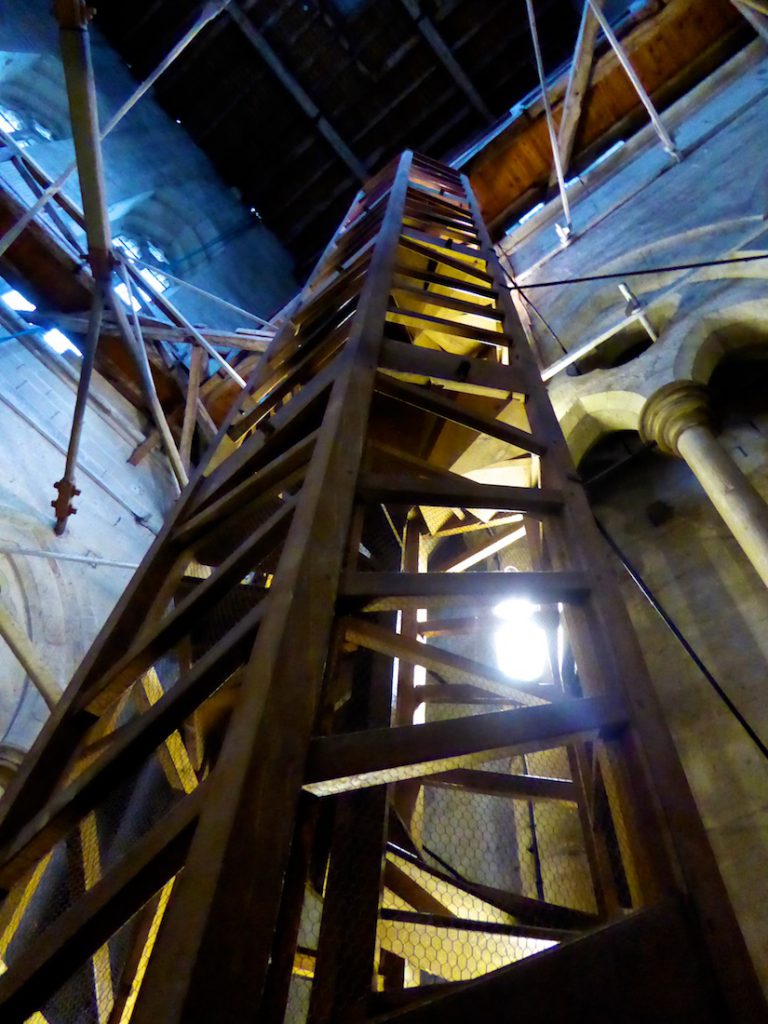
x,y
428,400
442,326
440,254
385,591
410,489
489,312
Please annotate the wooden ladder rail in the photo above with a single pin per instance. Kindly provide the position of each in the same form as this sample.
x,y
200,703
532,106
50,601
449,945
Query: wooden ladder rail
x,y
305,678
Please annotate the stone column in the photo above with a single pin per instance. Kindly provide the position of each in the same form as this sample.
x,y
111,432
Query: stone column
x,y
678,419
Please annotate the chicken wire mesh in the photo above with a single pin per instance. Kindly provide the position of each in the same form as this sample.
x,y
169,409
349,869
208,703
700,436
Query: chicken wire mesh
x,y
482,872
103,987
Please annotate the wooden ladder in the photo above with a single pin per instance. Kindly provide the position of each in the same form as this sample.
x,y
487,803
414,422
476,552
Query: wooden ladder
x,y
289,782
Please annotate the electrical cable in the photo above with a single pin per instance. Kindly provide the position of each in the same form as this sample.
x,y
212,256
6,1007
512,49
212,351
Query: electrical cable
x,y
639,273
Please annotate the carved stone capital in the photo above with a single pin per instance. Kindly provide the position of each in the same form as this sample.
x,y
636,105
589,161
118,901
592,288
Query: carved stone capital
x,y
672,410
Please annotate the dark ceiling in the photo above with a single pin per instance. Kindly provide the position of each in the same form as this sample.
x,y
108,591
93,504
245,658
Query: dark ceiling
x,y
302,98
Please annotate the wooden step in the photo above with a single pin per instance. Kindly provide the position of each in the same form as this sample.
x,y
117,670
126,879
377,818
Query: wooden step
x,y
520,931
398,314
510,787
427,239
445,281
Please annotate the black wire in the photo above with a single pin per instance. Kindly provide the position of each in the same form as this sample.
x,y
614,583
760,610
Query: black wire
x,y
509,276
682,640
639,273
551,330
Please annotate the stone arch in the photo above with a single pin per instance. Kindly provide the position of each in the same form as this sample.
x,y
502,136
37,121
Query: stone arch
x,y
741,326
591,417
33,85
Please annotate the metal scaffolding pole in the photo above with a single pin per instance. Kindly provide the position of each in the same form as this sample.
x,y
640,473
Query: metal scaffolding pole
x,y
563,232
135,341
27,656
206,294
208,13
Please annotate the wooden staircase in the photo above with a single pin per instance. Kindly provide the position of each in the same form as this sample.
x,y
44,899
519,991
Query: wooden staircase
x,y
289,783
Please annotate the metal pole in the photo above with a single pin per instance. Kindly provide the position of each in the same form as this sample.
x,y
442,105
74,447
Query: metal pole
x,y
755,19
666,139
60,556
134,340
66,486
203,292
27,656
564,233
171,311
210,11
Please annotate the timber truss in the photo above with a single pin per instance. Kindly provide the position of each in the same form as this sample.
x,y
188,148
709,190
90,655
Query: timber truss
x,y
288,783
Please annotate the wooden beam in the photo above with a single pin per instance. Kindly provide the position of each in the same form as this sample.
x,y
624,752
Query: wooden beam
x,y
512,787
520,931
289,80
375,756
578,80
446,57
418,365
527,910
459,492
196,365
455,668
430,401
567,983
381,591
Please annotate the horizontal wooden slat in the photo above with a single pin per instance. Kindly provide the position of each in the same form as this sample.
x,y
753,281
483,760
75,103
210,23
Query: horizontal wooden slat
x,y
387,590
376,756
410,489
425,238
430,401
443,256
398,314
449,302
513,787
444,281
455,373
467,693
